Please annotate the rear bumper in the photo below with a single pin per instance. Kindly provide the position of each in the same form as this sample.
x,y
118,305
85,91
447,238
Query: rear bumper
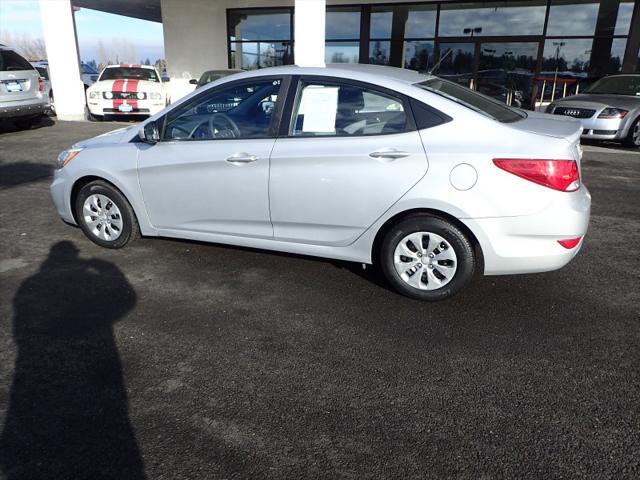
x,y
22,110
529,244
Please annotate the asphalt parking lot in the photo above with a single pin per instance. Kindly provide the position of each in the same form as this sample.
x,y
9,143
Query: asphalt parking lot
x,y
182,360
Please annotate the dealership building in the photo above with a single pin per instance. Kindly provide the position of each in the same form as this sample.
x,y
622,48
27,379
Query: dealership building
x,y
519,51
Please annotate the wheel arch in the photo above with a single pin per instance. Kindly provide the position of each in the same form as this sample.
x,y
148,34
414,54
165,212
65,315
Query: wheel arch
x,y
82,181
398,217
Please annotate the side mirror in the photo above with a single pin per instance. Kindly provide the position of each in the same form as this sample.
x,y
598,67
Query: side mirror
x,y
193,81
149,133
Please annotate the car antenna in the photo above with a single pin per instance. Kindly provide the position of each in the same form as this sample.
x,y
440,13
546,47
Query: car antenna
x,y
435,67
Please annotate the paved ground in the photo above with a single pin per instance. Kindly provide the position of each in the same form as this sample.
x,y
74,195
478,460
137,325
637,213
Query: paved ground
x,y
177,360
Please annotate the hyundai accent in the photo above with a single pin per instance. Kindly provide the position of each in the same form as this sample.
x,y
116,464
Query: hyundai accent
x,y
424,178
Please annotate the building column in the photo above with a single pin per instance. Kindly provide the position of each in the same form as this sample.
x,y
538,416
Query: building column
x,y
309,23
59,30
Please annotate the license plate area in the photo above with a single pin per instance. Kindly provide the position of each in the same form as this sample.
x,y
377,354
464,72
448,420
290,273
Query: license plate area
x,y
125,107
13,87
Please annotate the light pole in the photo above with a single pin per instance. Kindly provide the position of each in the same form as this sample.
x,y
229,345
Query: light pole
x,y
471,31
558,46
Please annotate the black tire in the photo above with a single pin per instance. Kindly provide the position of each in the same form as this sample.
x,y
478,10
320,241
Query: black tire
x,y
465,262
629,141
25,123
94,118
129,230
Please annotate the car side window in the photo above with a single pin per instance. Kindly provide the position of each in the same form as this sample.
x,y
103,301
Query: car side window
x,y
343,109
235,111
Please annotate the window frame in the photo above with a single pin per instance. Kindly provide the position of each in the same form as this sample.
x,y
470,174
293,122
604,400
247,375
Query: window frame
x,y
295,94
274,126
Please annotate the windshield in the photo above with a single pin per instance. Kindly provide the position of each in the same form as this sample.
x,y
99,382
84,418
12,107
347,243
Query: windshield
x,y
129,73
625,85
477,102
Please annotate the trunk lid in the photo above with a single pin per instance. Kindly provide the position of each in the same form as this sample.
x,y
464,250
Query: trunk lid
x,y
550,125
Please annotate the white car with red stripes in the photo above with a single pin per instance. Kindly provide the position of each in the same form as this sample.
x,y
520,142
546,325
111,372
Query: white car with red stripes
x,y
127,89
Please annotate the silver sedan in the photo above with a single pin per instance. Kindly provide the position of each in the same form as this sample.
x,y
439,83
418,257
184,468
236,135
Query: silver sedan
x,y
608,110
428,180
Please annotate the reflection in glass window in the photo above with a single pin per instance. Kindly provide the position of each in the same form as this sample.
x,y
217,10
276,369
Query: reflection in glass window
x,y
572,17
381,21
569,57
456,62
617,55
379,52
623,22
269,24
418,55
253,55
421,21
493,18
342,52
343,23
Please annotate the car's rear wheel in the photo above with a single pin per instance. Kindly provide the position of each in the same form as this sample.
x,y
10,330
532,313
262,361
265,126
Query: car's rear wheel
x,y
427,258
26,122
633,137
105,216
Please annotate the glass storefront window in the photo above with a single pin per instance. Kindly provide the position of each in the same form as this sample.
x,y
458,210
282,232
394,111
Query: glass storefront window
x,y
507,18
418,55
617,55
421,21
572,17
343,23
569,56
379,52
456,62
272,24
381,22
623,22
342,52
253,55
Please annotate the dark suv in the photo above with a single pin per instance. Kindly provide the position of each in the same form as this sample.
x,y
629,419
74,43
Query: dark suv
x,y
21,89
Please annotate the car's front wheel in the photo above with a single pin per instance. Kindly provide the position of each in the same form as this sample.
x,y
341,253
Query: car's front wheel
x,y
427,258
105,216
94,118
633,137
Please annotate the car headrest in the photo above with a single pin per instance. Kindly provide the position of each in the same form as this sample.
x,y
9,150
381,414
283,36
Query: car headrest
x,y
350,98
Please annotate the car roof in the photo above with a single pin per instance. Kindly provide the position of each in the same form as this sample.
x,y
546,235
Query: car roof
x,y
356,71
131,65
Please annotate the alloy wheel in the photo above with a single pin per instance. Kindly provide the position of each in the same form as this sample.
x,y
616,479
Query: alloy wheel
x,y
425,260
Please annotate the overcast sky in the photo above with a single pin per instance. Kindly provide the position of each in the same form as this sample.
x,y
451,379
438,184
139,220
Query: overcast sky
x,y
23,17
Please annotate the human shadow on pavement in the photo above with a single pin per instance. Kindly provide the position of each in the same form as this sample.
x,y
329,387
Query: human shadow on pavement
x,y
68,410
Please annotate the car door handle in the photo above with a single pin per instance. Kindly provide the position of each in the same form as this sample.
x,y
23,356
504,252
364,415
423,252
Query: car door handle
x,y
242,158
389,153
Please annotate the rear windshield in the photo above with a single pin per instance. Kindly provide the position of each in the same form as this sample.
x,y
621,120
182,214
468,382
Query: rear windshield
x,y
477,102
11,61
129,73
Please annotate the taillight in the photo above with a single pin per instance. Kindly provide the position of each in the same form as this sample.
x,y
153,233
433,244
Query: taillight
x,y
560,175
40,84
570,243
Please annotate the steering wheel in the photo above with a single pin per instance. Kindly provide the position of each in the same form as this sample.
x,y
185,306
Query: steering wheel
x,y
219,122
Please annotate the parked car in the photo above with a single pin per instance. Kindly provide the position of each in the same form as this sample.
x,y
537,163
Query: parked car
x,y
608,110
47,91
127,89
87,73
211,76
435,184
21,89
